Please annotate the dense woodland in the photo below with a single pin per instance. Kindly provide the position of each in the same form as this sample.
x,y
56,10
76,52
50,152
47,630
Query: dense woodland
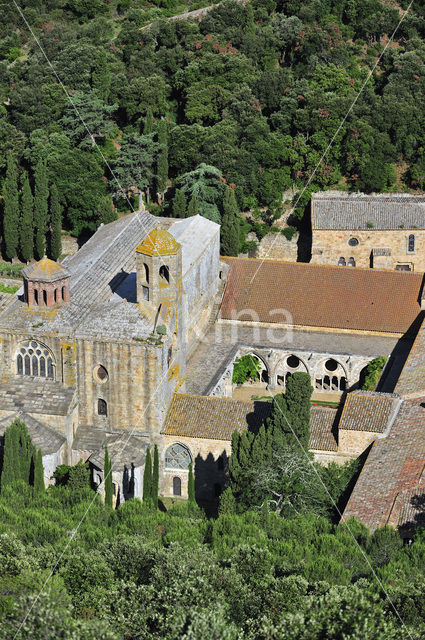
x,y
272,564
239,107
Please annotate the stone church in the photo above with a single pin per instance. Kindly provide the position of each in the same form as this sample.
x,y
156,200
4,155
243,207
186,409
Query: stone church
x,y
131,342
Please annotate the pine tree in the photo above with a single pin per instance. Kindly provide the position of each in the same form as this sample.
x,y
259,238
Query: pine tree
x,y
26,223
162,160
148,124
193,208
101,76
41,196
155,477
38,473
11,208
147,478
179,204
17,454
55,248
107,476
191,486
229,224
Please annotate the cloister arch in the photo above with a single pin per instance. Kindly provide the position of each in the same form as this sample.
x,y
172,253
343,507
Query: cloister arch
x,y
330,375
264,372
288,365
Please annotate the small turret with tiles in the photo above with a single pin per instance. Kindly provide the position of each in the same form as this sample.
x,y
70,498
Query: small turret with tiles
x,y
46,284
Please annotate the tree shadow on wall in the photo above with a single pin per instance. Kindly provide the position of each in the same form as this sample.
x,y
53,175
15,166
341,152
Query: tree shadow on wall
x,y
211,478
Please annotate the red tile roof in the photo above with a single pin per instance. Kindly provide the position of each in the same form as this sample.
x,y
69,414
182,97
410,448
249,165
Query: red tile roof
x,y
395,464
368,411
322,421
320,295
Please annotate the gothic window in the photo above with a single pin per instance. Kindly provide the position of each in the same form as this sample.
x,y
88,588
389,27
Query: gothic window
x,y
411,244
177,486
34,359
164,273
102,407
177,457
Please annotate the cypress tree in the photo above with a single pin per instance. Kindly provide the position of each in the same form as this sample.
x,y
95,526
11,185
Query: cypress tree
x,y
17,455
38,473
191,486
55,244
229,224
193,208
26,223
107,475
179,204
162,162
41,196
11,208
147,478
297,399
148,125
101,76
155,477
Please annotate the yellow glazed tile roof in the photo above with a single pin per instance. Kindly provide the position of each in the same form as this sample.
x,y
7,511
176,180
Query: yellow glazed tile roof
x,y
45,270
158,243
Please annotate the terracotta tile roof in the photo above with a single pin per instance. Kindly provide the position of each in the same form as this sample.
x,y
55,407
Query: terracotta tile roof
x,y
339,210
412,377
45,271
322,422
394,464
212,417
158,242
368,411
408,511
320,295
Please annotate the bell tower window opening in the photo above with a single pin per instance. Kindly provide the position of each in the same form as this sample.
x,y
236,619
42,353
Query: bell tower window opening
x,y
35,360
45,297
146,268
411,244
102,407
164,274
36,296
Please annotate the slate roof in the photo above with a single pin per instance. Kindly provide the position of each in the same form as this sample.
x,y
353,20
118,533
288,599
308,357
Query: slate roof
x,y
320,296
322,429
212,417
36,395
123,450
394,464
344,211
368,411
45,271
42,436
87,438
412,377
193,234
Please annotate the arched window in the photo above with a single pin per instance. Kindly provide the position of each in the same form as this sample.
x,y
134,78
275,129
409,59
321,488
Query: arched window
x,y
341,262
177,486
36,296
45,297
351,262
164,273
55,295
34,359
177,457
411,243
102,407
63,293
146,272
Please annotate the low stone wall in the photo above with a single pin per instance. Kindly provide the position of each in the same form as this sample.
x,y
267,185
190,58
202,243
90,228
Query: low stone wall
x,y
274,246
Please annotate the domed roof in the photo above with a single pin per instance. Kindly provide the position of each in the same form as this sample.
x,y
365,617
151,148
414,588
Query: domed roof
x,y
45,271
158,243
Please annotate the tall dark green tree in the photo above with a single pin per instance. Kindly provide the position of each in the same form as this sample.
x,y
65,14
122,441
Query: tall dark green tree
x,y
107,474
191,486
155,477
148,123
193,208
26,222
55,236
162,159
41,197
18,454
147,478
101,75
179,204
11,208
38,473
229,224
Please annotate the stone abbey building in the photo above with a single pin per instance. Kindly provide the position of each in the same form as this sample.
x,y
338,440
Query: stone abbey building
x,y
131,342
